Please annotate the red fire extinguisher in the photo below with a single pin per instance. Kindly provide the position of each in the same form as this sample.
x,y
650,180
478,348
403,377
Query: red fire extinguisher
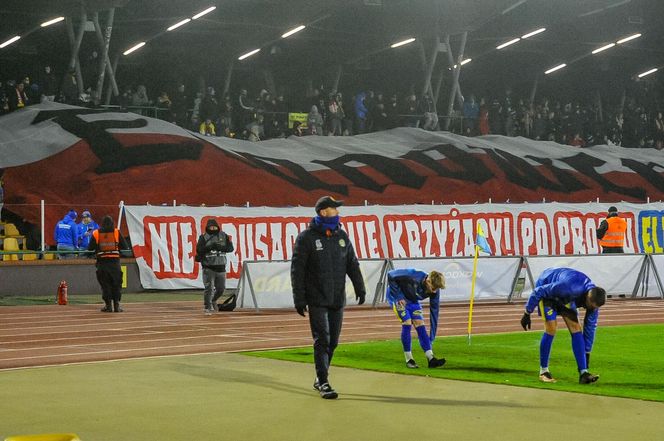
x,y
62,293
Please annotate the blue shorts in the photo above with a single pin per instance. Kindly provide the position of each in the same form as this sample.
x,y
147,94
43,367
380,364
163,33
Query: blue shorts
x,y
410,311
551,311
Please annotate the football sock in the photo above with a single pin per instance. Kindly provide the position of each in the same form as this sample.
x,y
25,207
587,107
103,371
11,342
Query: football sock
x,y
544,369
405,338
545,349
579,348
429,354
422,335
408,355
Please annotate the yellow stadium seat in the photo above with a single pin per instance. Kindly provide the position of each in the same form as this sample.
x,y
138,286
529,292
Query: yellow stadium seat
x,y
29,256
45,437
12,231
9,244
49,256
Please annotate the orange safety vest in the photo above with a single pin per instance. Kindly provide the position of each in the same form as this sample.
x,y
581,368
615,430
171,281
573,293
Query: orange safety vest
x,y
615,234
108,244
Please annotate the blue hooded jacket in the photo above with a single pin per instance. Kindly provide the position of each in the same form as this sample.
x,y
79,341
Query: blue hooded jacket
x,y
66,231
407,284
567,286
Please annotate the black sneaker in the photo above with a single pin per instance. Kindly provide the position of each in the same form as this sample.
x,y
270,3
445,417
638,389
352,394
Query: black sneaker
x,y
317,385
410,364
327,392
436,362
587,378
107,308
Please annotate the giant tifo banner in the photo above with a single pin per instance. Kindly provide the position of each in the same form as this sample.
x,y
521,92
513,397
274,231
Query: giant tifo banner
x,y
164,237
73,157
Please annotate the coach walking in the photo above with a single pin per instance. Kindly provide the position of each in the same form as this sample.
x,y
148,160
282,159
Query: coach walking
x,y
322,257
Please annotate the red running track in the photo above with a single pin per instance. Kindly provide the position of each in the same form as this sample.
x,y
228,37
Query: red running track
x,y
54,335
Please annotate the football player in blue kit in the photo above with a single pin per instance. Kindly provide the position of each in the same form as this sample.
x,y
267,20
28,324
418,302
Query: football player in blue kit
x,y
560,291
405,289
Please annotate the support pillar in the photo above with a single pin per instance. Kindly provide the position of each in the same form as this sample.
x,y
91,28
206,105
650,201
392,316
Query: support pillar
x,y
455,89
104,61
75,44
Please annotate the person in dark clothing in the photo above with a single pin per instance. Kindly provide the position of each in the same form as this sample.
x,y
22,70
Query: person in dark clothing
x,y
211,250
322,256
107,243
611,232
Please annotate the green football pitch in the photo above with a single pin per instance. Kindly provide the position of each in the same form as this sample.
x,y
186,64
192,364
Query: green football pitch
x,y
629,360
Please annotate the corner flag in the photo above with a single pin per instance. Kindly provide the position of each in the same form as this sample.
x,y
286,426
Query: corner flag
x,y
481,241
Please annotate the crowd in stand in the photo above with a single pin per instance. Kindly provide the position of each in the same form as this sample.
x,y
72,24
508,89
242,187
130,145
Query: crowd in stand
x,y
636,122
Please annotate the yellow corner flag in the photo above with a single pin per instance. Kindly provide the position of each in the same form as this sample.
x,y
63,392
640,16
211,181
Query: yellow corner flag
x,y
480,244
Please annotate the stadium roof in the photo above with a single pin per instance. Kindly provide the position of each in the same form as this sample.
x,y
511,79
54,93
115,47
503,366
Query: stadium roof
x,y
356,33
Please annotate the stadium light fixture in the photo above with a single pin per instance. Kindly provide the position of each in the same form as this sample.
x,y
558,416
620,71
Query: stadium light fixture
x,y
50,22
648,72
248,54
178,24
134,48
466,61
508,43
626,39
293,31
202,13
603,48
555,68
402,43
10,41
535,32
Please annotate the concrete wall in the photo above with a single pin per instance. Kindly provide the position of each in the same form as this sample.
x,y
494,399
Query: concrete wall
x,y
42,277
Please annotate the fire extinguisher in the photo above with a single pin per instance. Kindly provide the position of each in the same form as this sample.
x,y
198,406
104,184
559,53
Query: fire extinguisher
x,y
62,293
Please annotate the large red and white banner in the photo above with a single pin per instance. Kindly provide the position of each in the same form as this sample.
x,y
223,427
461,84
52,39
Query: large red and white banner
x,y
164,237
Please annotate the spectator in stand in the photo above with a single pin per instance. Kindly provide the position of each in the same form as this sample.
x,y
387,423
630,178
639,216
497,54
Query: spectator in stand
x,y
179,106
4,101
483,121
164,106
66,236
49,85
315,122
85,229
411,118
471,113
245,109
207,128
210,105
428,109
392,110
659,131
297,129
336,113
577,141
70,88
18,99
539,127
496,126
226,119
140,98
360,113
381,120
196,110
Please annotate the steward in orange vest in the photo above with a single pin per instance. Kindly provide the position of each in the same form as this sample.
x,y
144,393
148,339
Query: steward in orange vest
x,y
611,232
107,242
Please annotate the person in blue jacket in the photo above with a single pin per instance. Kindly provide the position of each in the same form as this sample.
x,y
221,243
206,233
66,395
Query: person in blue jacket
x,y
405,289
562,291
66,235
85,229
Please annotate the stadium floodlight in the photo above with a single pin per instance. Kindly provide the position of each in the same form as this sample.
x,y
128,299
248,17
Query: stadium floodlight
x,y
202,13
603,48
553,69
134,48
402,43
50,22
248,54
293,31
648,72
10,41
535,32
466,61
626,39
509,43
178,24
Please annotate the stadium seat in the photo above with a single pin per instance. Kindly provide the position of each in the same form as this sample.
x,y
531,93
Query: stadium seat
x,y
9,244
30,256
49,256
45,437
12,231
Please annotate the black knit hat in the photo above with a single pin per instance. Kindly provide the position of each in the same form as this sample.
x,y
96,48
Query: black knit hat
x,y
613,209
327,202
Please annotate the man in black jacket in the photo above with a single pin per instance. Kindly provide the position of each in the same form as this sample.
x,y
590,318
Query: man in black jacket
x,y
211,250
322,257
